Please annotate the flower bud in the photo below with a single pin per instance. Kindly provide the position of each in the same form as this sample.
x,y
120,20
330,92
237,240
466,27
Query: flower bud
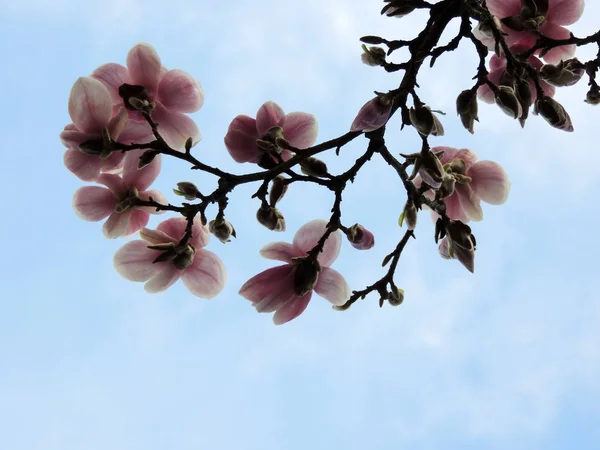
x,y
461,243
508,101
444,249
565,73
429,167
398,8
373,56
221,229
187,190
447,187
314,167
409,215
554,113
525,96
360,238
306,275
425,121
278,189
271,218
373,115
593,96
396,296
467,109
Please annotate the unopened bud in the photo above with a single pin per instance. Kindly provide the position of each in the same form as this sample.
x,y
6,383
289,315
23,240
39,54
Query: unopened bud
x,y
565,73
271,218
398,8
467,109
425,121
221,229
187,190
373,115
554,113
593,96
447,187
314,167
508,101
306,275
373,56
278,189
461,243
409,215
396,296
360,238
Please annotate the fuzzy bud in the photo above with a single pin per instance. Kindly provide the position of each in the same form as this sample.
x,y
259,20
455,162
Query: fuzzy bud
x,y
409,215
425,121
314,167
271,218
221,229
373,115
467,109
278,189
398,8
373,56
508,101
565,73
554,113
187,190
396,296
593,96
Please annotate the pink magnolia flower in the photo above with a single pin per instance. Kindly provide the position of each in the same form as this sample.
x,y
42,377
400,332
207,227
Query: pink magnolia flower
x,y
91,110
116,201
521,17
467,182
272,128
373,115
160,260
174,92
497,74
360,238
287,289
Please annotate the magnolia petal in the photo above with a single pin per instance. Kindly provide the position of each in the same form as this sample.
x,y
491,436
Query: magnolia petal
x,y
114,183
563,52
565,12
173,227
137,220
280,251
93,203
309,234
85,167
179,91
206,277
156,237
240,139
176,128
72,137
116,224
112,75
470,203
260,286
484,92
332,286
504,8
454,210
300,129
133,261
90,105
140,178
200,234
489,182
372,115
144,67
163,279
136,132
282,293
291,309
269,115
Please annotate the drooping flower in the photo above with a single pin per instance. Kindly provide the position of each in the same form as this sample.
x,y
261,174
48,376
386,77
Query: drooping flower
x,y
523,18
91,111
117,200
287,289
169,94
467,182
160,259
260,140
372,115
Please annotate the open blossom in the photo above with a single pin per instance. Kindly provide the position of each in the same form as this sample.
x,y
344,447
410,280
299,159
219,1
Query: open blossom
x,y
522,18
287,289
171,93
467,182
257,140
117,200
160,260
91,111
373,115
498,76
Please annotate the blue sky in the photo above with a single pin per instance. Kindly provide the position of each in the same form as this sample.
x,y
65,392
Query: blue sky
x,y
506,358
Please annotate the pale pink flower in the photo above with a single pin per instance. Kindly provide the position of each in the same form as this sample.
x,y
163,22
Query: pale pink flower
x,y
272,126
174,92
560,12
373,115
91,110
471,182
497,72
276,289
95,203
160,260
